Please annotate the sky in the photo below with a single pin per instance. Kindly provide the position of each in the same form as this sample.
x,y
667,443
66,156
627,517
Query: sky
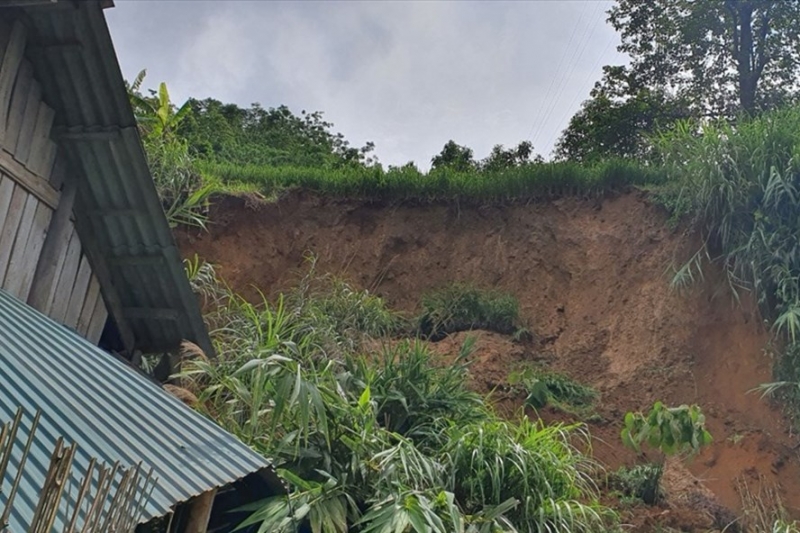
x,y
406,75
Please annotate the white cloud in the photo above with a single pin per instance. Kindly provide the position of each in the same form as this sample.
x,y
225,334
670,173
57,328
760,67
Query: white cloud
x,y
407,75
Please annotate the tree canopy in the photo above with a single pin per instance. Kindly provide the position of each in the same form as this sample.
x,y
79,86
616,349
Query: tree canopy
x,y
460,158
267,136
614,121
722,55
454,156
710,58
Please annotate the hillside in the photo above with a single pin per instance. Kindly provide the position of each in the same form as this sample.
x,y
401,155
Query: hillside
x,y
592,279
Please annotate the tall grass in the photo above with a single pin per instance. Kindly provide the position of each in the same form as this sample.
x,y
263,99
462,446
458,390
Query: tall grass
x,y
381,440
740,185
183,191
531,181
463,307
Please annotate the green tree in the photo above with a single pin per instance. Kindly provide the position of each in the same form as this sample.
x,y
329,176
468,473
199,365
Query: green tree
x,y
721,55
455,157
501,158
268,136
617,119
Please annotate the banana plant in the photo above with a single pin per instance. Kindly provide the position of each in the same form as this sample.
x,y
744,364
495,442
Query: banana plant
x,y
156,114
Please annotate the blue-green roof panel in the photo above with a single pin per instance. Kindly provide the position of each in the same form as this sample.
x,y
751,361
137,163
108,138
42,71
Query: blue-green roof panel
x,y
111,411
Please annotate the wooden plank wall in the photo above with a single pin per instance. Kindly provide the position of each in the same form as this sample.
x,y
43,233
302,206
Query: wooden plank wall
x,y
30,179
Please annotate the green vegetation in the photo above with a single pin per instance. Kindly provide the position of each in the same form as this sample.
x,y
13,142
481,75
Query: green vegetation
x,y
184,194
273,137
738,186
671,430
640,482
374,439
463,307
532,181
382,439
544,387
335,316
786,388
699,60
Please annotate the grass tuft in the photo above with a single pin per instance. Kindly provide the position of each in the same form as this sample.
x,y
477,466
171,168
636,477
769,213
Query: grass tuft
x,y
642,482
464,307
544,387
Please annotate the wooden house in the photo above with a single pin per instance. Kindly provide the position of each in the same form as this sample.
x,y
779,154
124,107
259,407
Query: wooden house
x,y
87,258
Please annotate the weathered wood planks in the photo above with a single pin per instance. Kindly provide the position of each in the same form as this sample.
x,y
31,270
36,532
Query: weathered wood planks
x,y
42,260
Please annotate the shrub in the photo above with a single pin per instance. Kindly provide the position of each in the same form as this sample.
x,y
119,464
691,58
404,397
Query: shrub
x,y
642,482
184,194
383,441
671,430
493,460
463,307
544,387
412,396
339,317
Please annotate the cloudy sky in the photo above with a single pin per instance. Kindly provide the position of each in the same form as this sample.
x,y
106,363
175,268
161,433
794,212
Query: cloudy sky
x,y
407,75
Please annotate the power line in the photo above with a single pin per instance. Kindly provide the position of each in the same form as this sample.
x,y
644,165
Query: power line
x,y
558,69
566,75
585,81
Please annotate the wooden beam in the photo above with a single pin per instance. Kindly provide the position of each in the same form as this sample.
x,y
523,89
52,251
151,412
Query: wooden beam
x,y
12,59
200,512
34,184
19,100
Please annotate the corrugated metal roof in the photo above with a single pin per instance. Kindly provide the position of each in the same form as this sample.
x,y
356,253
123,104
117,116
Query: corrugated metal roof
x,y
118,213
110,411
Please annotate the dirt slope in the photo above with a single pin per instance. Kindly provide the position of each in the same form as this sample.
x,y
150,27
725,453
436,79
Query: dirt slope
x,y
591,281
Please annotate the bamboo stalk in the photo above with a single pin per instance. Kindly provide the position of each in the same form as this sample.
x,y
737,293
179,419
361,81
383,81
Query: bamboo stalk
x,y
20,469
11,434
84,489
37,514
119,515
63,472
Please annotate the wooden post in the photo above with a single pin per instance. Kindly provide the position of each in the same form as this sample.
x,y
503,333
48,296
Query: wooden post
x,y
200,512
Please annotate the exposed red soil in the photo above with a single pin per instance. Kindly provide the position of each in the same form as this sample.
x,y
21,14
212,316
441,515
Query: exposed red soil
x,y
590,277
